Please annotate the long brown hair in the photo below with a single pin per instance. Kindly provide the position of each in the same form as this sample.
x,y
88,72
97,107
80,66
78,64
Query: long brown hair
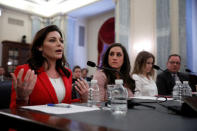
x,y
140,63
125,69
37,60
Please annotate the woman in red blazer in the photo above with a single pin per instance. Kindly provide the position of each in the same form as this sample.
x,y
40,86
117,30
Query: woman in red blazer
x,y
45,79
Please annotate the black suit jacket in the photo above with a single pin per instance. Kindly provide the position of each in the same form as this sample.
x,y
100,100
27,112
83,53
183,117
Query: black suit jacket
x,y
165,82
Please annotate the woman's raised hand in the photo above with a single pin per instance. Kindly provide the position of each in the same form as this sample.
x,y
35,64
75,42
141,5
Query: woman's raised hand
x,y
24,87
82,87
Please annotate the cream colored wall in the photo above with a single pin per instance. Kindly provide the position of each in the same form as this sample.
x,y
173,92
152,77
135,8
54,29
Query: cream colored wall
x,y
93,26
174,16
14,32
143,27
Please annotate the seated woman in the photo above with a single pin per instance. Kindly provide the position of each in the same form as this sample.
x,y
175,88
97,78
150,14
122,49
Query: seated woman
x,y
116,58
45,79
143,74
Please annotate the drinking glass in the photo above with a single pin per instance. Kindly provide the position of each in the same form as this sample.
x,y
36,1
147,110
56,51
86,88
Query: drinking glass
x,y
109,94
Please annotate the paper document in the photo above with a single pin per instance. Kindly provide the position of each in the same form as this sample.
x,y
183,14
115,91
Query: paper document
x,y
60,108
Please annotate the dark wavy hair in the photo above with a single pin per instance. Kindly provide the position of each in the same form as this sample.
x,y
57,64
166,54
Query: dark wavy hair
x,y
124,71
37,60
140,63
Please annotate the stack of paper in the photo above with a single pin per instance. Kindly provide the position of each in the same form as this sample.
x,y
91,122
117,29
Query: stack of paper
x,y
60,108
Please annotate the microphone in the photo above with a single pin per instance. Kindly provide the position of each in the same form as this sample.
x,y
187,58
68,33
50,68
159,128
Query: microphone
x,y
188,70
92,64
157,67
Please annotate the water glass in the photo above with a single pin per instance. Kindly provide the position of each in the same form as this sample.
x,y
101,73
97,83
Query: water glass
x,y
109,94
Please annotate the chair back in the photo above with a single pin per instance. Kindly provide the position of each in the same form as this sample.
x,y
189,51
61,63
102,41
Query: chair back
x,y
5,93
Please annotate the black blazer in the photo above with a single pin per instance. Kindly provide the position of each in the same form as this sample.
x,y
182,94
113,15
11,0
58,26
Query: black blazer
x,y
165,82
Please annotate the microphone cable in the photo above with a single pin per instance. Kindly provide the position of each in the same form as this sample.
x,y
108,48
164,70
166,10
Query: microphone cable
x,y
132,104
177,109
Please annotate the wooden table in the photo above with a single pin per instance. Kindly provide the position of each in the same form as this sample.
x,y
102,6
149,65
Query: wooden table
x,y
138,119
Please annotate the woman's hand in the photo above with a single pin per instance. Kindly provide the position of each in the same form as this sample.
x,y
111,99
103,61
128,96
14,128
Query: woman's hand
x,y
24,87
82,87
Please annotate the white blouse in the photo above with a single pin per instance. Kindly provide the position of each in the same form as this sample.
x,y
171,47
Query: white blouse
x,y
144,86
58,85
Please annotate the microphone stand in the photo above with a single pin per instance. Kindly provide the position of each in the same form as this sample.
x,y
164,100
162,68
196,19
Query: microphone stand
x,y
158,68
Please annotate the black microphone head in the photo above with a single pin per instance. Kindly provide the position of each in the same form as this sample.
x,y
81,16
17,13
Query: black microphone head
x,y
188,70
90,63
156,67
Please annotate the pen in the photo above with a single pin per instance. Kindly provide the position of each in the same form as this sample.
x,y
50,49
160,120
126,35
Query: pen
x,y
59,105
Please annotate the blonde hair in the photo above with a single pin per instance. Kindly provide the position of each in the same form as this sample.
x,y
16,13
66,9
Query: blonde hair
x,y
140,63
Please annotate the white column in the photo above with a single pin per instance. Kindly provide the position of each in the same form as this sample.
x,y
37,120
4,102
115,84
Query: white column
x,y
122,22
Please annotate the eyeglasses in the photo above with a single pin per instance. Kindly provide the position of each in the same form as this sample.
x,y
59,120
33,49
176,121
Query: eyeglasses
x,y
174,62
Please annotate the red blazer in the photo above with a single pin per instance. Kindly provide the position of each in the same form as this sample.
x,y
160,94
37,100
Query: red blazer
x,y
44,92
